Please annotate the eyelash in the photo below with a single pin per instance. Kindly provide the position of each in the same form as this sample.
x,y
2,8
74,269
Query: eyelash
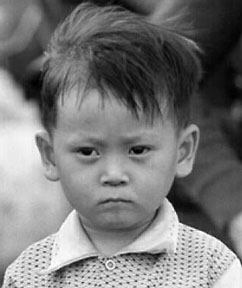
x,y
87,151
138,150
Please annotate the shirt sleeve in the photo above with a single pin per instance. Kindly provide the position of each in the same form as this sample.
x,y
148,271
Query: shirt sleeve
x,y
232,278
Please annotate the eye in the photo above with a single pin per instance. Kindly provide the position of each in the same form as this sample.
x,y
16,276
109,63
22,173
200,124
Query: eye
x,y
139,150
87,151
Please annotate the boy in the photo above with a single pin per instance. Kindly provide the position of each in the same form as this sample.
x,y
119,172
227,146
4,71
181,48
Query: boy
x,y
116,112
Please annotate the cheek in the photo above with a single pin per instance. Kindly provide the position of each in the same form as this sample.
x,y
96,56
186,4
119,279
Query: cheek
x,y
161,173
78,192
155,189
70,170
163,164
76,182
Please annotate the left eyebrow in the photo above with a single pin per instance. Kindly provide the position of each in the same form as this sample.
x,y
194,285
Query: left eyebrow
x,y
143,137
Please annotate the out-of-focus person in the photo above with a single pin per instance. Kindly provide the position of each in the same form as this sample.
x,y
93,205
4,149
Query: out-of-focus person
x,y
25,194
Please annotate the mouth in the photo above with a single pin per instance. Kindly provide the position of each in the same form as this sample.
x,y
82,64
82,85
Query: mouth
x,y
115,201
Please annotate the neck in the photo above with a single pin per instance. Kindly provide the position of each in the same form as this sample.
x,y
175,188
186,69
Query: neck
x,y
109,242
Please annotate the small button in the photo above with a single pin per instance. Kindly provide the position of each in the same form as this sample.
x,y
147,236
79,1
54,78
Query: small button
x,y
110,264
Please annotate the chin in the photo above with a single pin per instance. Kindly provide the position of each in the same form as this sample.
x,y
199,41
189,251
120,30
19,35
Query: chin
x,y
118,222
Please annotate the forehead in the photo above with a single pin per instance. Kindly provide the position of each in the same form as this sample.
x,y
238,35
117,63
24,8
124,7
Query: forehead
x,y
93,113
141,106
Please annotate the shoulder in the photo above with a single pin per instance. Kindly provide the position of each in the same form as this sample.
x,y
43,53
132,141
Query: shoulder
x,y
204,251
203,242
36,257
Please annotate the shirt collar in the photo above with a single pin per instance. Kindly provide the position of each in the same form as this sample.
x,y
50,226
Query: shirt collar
x,y
72,244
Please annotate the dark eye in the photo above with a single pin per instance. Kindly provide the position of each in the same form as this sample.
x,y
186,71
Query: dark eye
x,y
139,150
87,151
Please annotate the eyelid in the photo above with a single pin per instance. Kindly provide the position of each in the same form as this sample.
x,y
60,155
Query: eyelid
x,y
146,149
87,149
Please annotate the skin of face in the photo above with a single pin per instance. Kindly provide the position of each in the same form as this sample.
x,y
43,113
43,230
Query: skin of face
x,y
115,169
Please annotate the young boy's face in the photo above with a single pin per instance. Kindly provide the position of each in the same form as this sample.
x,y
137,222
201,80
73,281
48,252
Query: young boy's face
x,y
115,169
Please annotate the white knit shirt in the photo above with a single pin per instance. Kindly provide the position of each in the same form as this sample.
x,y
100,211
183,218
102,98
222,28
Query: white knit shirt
x,y
167,254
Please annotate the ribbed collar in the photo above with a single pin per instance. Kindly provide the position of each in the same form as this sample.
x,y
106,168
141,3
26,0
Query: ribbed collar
x,y
72,244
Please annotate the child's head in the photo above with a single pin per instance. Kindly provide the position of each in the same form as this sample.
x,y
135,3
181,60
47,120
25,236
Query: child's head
x,y
116,110
146,67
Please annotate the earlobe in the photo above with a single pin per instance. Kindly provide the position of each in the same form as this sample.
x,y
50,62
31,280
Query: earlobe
x,y
188,144
45,146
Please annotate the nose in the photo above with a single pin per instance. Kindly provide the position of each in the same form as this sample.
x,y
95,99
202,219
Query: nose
x,y
114,174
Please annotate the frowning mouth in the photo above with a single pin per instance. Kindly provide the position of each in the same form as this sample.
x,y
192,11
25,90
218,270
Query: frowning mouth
x,y
115,200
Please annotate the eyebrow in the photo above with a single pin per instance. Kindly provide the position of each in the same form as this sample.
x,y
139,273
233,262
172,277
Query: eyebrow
x,y
132,138
139,136
91,139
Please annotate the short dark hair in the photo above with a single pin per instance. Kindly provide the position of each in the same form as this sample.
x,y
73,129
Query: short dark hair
x,y
114,50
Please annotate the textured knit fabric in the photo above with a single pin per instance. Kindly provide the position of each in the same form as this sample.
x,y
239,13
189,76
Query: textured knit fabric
x,y
189,258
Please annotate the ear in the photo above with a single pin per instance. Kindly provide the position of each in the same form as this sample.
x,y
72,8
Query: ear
x,y
45,146
188,144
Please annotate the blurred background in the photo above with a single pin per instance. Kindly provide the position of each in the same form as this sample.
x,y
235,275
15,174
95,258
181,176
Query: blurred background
x,y
210,199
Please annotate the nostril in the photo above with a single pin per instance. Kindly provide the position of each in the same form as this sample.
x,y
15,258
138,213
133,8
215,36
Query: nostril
x,y
114,183
114,180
